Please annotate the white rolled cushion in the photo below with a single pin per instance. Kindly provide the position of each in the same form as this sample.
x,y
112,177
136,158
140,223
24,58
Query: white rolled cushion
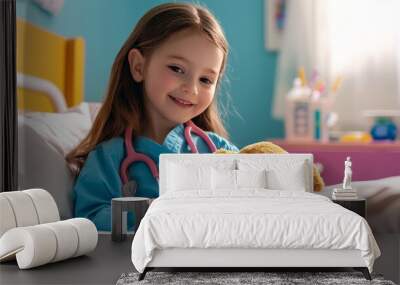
x,y
7,218
33,246
23,208
251,178
223,179
26,208
46,207
40,244
182,177
67,240
87,235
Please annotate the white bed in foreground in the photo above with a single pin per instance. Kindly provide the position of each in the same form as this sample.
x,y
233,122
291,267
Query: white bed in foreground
x,y
242,226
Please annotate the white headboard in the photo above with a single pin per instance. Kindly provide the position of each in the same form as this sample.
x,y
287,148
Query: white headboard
x,y
231,161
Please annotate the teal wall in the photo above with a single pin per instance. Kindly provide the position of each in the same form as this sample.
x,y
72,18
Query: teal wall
x,y
105,25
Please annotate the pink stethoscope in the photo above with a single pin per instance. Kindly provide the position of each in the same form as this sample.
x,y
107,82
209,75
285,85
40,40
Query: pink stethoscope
x,y
133,156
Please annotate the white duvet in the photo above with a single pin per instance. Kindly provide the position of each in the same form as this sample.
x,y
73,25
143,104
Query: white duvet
x,y
250,218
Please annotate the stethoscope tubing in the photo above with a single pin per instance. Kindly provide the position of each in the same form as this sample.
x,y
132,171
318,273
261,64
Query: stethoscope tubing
x,y
133,156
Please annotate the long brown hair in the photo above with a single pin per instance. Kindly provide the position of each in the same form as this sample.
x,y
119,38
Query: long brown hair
x,y
123,105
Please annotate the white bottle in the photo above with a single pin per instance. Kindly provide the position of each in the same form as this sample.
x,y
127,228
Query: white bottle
x,y
298,113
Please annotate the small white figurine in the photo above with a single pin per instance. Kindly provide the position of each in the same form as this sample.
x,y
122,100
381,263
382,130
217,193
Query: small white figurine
x,y
347,174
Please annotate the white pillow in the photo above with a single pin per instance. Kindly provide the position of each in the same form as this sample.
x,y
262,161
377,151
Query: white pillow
x,y
223,179
283,173
183,177
251,178
229,179
293,180
63,131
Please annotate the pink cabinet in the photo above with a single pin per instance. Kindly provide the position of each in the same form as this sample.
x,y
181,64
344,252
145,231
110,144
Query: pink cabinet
x,y
370,161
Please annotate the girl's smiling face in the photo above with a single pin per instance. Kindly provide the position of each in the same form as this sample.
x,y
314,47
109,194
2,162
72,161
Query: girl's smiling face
x,y
180,78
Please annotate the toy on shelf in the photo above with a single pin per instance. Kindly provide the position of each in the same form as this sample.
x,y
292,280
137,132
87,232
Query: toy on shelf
x,y
384,127
308,112
355,137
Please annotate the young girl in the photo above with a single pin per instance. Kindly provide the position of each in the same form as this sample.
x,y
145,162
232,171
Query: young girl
x,y
163,80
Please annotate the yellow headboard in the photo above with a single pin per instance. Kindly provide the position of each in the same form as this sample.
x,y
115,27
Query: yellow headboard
x,y
51,57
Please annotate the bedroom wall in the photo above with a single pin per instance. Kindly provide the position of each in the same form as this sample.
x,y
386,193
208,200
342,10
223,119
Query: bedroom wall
x,y
251,68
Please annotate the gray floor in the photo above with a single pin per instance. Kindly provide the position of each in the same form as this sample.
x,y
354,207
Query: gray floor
x,y
102,266
389,262
106,264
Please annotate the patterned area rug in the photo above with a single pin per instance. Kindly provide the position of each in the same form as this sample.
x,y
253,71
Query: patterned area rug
x,y
230,278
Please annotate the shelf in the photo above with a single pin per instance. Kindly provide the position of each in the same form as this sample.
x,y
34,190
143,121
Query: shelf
x,y
370,160
335,146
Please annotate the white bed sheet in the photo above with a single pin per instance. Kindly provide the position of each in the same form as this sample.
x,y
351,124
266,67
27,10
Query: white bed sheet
x,y
251,218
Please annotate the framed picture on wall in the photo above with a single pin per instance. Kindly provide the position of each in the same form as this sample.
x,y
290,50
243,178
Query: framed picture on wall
x,y
274,23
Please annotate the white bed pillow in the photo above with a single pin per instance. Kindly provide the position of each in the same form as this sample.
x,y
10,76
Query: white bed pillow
x,y
182,177
230,179
281,174
293,180
223,179
251,178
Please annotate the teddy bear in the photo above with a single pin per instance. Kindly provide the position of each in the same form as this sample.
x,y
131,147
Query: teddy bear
x,y
269,147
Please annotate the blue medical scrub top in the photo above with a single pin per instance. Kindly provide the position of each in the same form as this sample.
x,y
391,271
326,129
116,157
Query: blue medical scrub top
x,y
99,180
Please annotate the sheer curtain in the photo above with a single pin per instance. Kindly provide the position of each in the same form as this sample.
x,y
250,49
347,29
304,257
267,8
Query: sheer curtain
x,y
358,40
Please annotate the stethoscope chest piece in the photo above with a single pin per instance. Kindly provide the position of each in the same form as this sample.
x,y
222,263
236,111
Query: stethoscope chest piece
x,y
129,189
